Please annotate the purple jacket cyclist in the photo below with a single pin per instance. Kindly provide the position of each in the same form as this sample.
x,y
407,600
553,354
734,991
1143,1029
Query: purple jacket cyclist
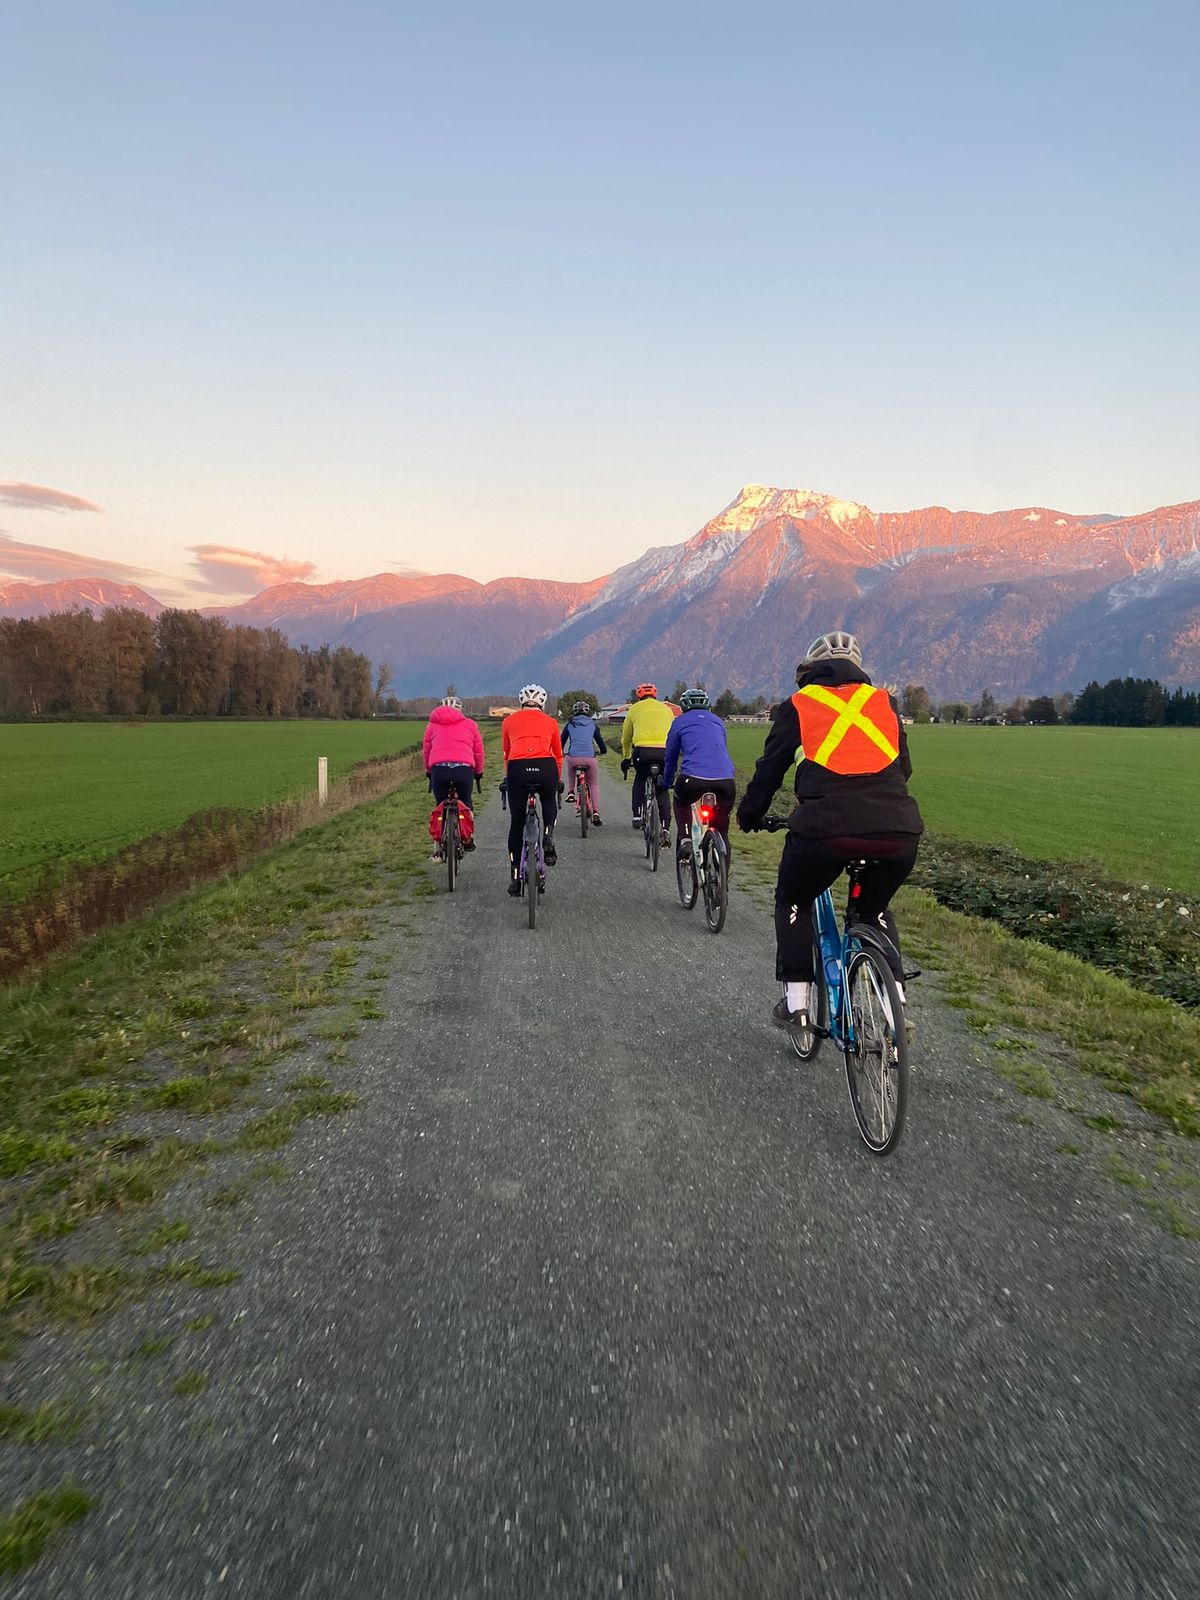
x,y
580,738
698,759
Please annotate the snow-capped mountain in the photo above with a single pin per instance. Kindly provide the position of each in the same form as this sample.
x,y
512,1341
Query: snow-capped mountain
x,y
1029,599
23,599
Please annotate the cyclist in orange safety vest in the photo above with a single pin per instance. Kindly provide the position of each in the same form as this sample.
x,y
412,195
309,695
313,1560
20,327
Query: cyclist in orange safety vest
x,y
852,803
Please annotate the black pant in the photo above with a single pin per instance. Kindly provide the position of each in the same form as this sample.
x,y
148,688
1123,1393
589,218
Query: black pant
x,y
810,866
444,773
521,776
644,757
688,790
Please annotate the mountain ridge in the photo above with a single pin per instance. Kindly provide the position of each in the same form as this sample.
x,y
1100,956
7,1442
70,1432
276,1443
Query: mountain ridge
x,y
1017,600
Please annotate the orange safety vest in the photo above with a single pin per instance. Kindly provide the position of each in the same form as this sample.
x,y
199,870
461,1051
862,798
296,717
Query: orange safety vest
x,y
851,729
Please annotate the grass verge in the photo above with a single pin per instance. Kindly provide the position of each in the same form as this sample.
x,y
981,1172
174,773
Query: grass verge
x,y
112,1060
68,907
25,1530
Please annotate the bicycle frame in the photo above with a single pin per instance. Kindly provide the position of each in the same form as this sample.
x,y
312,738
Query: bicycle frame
x,y
701,813
837,946
532,837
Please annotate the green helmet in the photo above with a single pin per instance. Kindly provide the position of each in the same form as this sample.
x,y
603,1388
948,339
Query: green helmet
x,y
695,700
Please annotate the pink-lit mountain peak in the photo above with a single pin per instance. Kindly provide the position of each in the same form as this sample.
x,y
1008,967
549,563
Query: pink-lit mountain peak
x,y
758,503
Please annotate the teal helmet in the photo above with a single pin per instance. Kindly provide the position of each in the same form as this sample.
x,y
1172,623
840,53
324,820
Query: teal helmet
x,y
695,700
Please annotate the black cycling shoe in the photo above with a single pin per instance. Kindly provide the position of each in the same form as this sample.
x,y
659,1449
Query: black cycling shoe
x,y
550,853
468,844
514,888
596,823
789,1021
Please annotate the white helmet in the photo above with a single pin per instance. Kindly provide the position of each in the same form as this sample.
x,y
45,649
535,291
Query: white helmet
x,y
453,702
533,695
836,646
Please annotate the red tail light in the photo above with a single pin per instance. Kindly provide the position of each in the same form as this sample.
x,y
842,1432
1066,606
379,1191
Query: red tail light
x,y
706,815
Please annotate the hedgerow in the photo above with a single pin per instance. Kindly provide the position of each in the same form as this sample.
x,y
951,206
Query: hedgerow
x,y
1148,936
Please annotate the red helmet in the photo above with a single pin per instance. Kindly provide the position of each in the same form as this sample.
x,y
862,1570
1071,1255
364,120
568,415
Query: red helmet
x,y
646,691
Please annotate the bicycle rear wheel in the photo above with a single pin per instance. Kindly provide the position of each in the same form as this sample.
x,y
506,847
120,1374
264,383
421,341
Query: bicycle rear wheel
x,y
450,845
716,882
532,891
685,877
585,806
876,1051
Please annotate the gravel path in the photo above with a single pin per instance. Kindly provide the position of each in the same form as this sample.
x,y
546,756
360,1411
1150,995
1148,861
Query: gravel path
x,y
598,1294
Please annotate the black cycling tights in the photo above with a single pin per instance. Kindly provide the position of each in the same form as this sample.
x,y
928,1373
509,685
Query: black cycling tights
x,y
522,776
810,866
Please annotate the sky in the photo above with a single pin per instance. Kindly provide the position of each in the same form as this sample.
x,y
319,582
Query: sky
x,y
314,291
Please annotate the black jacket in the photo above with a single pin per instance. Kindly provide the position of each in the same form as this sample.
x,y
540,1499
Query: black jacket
x,y
829,804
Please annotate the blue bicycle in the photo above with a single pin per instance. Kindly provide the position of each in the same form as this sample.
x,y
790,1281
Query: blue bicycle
x,y
858,1007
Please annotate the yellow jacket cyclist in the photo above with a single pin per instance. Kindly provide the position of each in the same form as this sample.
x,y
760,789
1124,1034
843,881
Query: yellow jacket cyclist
x,y
643,741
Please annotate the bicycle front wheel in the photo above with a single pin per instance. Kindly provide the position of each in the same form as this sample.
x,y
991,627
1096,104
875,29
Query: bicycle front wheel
x,y
876,1051
716,884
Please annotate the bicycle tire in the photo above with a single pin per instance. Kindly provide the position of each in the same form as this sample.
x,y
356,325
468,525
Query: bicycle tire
x,y
872,1009
716,884
655,840
585,809
686,879
532,890
450,845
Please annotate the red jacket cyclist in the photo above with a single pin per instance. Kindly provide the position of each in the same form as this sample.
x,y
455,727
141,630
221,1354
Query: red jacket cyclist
x,y
533,759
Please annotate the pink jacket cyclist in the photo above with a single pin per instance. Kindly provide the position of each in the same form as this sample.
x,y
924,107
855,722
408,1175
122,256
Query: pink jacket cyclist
x,y
453,750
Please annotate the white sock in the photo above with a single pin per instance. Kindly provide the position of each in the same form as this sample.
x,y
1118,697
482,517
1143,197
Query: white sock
x,y
900,992
797,996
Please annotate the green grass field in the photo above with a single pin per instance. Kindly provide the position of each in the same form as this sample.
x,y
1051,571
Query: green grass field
x,y
1126,797
81,791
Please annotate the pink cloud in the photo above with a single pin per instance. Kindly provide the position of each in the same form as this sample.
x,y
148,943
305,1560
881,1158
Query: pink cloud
x,y
34,497
225,569
40,561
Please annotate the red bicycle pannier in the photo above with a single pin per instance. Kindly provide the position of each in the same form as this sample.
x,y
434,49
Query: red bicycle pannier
x,y
466,823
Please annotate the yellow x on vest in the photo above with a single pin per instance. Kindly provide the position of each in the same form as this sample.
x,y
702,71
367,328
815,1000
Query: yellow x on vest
x,y
859,713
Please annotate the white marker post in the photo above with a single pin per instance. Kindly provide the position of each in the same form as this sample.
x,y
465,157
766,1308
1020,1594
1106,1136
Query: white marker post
x,y
322,779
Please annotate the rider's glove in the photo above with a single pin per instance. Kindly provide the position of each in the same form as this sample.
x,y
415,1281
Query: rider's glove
x,y
746,822
625,766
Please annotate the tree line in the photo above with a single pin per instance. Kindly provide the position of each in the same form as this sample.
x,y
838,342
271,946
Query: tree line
x,y
124,663
1121,702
